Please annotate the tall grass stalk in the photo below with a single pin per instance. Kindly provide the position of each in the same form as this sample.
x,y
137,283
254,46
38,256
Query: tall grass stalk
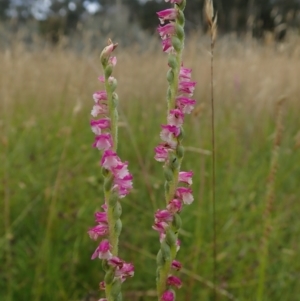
x,y
212,23
267,226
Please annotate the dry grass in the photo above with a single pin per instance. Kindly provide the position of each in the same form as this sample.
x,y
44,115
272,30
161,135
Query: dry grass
x,y
251,77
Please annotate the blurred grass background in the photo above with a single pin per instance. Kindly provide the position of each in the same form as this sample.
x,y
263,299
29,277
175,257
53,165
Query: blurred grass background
x,y
51,182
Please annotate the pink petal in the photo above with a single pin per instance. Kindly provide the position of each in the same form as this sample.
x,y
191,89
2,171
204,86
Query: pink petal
x,y
97,231
185,194
166,30
98,125
163,216
167,15
103,141
99,109
100,96
176,265
186,177
168,296
185,104
110,159
101,217
167,45
174,206
175,117
161,153
175,281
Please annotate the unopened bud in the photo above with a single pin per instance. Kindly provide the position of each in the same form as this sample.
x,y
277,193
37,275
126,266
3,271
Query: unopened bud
x,y
106,52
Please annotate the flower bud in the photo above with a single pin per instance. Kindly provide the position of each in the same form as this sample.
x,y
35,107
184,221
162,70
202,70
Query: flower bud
x,y
168,174
108,182
115,289
172,62
113,83
180,18
180,151
181,135
115,100
177,44
170,76
165,251
109,276
177,221
118,227
117,210
108,71
159,259
106,52
105,265
179,32
113,199
171,237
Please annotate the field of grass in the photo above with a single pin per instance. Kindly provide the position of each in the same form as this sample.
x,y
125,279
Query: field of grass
x,y
51,183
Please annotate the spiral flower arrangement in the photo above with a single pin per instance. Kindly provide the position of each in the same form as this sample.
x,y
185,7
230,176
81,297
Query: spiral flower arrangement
x,y
117,182
170,152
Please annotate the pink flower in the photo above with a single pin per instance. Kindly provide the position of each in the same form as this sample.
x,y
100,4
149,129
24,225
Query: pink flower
x,y
100,96
160,227
127,270
107,51
168,134
115,262
97,231
186,177
98,125
103,141
113,60
185,194
175,117
124,185
176,265
185,74
123,269
109,159
99,109
163,216
102,285
121,170
174,206
167,15
175,281
168,296
111,79
101,217
161,153
167,45
102,79
102,299
166,30
187,87
185,104
103,250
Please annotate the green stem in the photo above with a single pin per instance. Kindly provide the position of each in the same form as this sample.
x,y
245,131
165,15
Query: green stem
x,y
113,114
